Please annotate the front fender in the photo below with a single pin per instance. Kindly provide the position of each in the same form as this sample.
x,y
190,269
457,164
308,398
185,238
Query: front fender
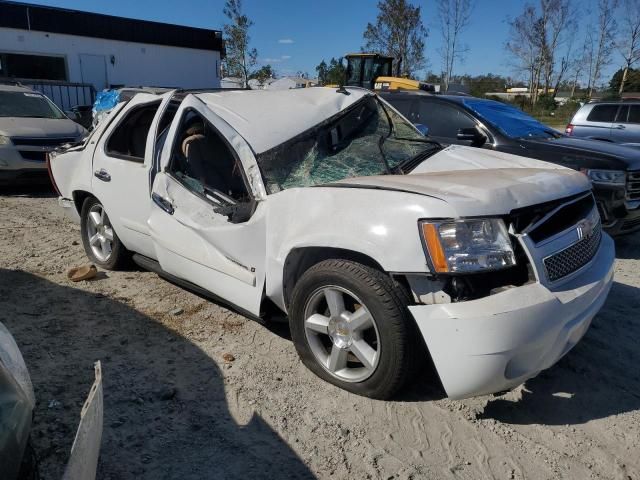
x,y
382,225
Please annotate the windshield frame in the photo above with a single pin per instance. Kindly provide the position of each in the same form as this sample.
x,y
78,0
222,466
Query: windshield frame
x,y
57,113
386,108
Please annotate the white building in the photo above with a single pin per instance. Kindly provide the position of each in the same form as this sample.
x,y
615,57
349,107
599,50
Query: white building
x,y
54,44
287,83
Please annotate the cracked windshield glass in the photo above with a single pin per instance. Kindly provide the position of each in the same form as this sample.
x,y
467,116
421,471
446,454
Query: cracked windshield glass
x,y
365,140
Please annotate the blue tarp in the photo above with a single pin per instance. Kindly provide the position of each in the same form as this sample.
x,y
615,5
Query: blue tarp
x,y
512,122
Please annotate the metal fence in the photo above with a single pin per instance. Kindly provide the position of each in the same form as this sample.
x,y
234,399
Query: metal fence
x,y
64,94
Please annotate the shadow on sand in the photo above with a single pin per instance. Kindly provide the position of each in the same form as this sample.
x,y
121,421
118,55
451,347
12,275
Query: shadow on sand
x,y
597,379
166,412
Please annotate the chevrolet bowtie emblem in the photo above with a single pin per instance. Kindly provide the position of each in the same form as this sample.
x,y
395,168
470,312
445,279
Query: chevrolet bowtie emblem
x,y
584,229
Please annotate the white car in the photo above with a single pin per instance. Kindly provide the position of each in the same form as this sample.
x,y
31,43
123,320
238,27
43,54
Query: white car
x,y
380,245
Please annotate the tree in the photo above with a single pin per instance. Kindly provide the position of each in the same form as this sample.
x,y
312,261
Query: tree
x,y
332,74
398,33
263,73
239,59
631,77
604,41
454,18
322,70
629,44
535,38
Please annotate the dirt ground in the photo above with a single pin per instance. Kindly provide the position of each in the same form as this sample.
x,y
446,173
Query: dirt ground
x,y
174,408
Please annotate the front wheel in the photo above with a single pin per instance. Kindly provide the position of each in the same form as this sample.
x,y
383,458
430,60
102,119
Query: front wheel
x,y
351,327
101,244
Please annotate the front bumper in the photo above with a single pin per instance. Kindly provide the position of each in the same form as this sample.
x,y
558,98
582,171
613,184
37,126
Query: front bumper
x,y
497,342
619,216
15,169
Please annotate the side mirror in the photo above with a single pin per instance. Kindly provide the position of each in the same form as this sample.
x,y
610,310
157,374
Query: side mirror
x,y
473,135
423,129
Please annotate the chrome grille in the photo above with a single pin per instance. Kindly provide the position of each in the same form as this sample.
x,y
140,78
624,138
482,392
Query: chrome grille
x,y
633,185
573,258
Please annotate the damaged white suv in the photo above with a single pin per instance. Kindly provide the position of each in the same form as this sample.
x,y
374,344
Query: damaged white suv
x,y
380,245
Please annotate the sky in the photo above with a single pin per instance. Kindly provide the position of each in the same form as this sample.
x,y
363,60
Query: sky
x,y
296,36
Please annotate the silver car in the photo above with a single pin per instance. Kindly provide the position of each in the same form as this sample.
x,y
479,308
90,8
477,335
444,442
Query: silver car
x,y
617,122
31,125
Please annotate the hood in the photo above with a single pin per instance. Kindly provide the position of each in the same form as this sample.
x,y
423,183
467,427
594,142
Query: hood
x,y
39,127
624,157
481,182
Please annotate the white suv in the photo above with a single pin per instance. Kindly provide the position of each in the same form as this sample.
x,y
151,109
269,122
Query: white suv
x,y
379,244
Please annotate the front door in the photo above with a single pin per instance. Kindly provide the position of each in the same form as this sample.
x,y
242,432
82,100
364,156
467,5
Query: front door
x,y
203,178
122,165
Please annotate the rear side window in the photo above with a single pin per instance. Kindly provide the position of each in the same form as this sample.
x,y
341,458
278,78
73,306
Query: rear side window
x,y
603,113
442,120
621,117
634,114
129,139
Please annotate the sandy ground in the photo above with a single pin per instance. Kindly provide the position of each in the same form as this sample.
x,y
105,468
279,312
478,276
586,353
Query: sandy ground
x,y
175,409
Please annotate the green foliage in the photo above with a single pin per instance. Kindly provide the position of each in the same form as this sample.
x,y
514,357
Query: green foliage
x,y
398,33
632,83
263,73
332,74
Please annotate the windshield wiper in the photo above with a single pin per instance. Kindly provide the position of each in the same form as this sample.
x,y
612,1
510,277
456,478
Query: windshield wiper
x,y
411,163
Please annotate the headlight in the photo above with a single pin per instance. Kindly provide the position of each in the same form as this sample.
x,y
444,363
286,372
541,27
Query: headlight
x,y
614,177
5,140
467,246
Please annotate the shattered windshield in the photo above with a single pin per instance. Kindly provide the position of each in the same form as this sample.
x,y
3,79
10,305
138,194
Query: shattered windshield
x,y
364,140
511,121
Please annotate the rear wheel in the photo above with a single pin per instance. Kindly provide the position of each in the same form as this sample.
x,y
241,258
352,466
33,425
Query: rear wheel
x,y
102,245
351,327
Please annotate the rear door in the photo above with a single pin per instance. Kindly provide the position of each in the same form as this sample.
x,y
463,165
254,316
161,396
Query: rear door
x,y
204,176
122,165
626,128
598,123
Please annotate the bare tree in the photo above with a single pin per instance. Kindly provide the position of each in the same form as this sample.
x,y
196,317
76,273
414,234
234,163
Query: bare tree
x,y
629,43
240,58
604,41
581,62
535,40
399,33
454,18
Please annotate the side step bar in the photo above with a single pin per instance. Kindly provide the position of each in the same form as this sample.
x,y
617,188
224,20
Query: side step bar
x,y
154,266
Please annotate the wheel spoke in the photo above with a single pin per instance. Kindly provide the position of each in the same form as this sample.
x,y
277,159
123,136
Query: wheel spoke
x,y
94,240
95,218
105,246
317,323
102,215
337,359
335,302
361,319
364,353
108,233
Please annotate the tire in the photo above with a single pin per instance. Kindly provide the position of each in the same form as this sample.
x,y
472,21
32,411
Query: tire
x,y
392,336
113,258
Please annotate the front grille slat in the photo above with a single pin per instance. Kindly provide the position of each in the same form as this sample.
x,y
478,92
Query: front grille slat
x,y
35,155
633,185
574,257
41,142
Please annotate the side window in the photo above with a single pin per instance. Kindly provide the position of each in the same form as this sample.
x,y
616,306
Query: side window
x,y
603,113
129,139
621,117
634,114
203,160
404,106
443,120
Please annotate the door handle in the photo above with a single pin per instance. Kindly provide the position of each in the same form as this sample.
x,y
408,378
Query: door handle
x,y
103,175
163,203
620,127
